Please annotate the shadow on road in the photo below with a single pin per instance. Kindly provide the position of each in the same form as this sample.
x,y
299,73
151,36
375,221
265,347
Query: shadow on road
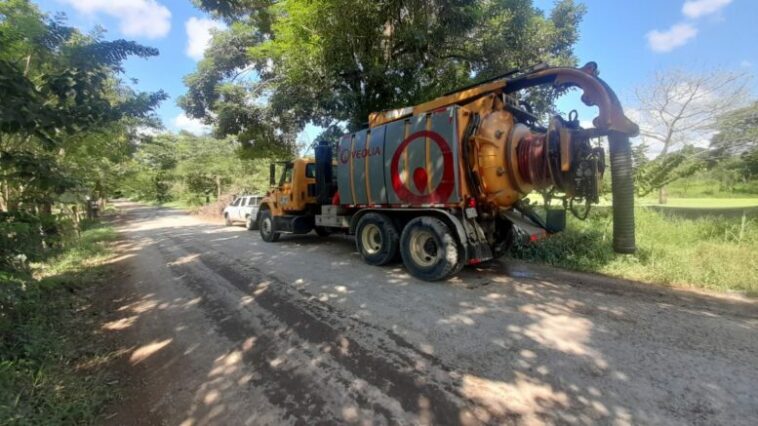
x,y
220,327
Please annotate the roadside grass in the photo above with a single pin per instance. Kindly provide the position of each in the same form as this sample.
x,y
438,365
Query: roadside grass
x,y
711,253
700,202
49,361
704,202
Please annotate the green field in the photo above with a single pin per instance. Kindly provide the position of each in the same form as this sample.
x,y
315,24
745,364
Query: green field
x,y
712,252
703,202
734,202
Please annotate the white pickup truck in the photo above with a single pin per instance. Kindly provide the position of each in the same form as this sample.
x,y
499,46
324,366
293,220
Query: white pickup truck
x,y
243,209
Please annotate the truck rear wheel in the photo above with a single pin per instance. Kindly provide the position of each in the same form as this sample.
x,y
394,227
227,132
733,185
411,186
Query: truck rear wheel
x,y
376,239
267,229
429,249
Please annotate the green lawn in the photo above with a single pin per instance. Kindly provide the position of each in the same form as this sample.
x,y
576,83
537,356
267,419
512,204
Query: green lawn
x,y
703,202
674,202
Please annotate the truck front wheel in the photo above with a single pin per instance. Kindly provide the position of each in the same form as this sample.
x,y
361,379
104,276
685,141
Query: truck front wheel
x,y
429,249
268,233
376,239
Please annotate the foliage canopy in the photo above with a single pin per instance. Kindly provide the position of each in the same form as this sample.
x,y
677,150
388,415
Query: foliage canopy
x,y
281,65
66,116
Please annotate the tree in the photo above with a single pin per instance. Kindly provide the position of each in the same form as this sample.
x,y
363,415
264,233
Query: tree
x,y
192,169
679,109
737,136
281,65
65,113
737,130
665,169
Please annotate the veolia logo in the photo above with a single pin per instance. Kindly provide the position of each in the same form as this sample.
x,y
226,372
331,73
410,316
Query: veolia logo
x,y
345,154
439,194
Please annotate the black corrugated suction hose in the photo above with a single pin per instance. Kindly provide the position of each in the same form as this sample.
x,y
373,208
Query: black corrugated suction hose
x,y
623,193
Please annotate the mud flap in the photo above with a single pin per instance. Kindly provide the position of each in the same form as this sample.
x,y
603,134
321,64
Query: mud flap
x,y
522,225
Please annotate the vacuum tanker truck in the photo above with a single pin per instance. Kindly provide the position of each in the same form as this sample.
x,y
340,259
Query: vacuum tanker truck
x,y
441,184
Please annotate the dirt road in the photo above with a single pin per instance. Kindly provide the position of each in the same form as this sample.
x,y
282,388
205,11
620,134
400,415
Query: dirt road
x,y
218,327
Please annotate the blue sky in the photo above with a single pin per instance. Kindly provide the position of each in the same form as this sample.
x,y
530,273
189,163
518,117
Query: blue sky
x,y
628,39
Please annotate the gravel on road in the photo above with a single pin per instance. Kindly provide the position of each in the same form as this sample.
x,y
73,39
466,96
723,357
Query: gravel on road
x,y
218,327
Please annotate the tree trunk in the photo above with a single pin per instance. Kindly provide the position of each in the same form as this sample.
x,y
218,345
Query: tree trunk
x,y
3,196
11,204
218,187
46,207
663,195
27,66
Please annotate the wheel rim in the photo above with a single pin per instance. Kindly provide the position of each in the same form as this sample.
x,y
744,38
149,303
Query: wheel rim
x,y
266,226
424,248
371,239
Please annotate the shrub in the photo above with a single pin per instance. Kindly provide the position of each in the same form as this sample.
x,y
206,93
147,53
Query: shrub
x,y
25,237
21,237
45,340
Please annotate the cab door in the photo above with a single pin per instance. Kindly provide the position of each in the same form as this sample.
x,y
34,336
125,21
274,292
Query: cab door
x,y
284,195
297,177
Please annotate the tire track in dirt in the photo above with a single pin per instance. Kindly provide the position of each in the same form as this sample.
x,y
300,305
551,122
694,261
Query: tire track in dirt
x,y
280,387
430,394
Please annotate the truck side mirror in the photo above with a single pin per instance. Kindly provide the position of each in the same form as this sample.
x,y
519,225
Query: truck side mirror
x,y
272,174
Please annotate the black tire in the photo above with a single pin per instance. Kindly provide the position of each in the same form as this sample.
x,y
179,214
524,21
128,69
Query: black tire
x,y
227,221
251,224
322,232
267,228
376,239
429,249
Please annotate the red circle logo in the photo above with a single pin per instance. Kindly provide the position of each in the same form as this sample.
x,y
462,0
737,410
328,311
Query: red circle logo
x,y
438,195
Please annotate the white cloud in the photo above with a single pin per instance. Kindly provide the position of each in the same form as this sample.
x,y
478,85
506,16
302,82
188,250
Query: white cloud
x,y
192,125
137,18
697,8
199,35
746,64
676,36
